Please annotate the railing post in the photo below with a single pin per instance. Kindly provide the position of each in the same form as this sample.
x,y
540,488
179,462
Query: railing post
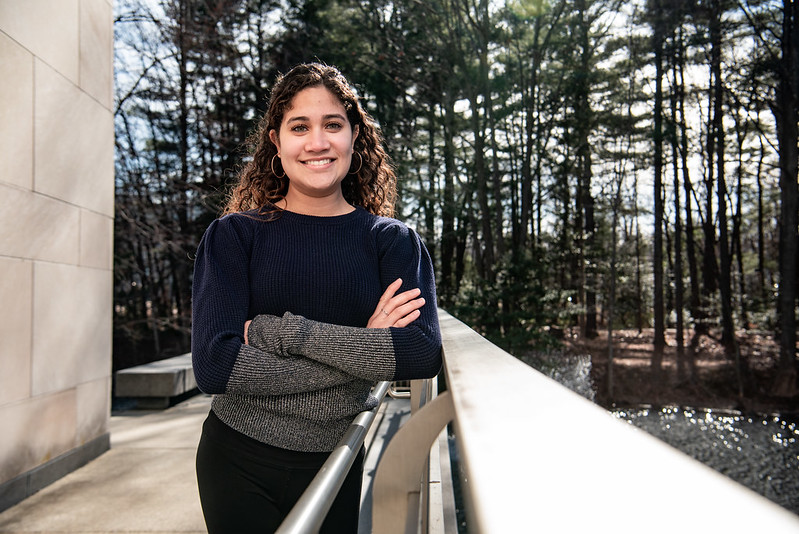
x,y
399,478
422,392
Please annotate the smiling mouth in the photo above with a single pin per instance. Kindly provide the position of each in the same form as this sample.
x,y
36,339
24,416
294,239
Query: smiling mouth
x,y
318,162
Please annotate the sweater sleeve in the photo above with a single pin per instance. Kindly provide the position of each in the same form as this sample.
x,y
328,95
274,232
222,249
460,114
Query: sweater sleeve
x,y
370,353
417,347
220,301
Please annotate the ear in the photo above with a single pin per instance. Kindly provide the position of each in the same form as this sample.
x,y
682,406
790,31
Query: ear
x,y
275,139
355,132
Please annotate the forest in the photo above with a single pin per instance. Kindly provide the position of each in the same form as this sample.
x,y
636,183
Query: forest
x,y
575,167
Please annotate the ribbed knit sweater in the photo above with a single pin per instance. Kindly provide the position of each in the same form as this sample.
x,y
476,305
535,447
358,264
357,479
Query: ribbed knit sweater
x,y
309,284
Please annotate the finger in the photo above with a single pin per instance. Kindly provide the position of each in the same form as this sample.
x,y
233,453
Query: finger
x,y
246,329
398,300
399,317
392,288
408,307
396,308
406,314
384,300
408,319
379,318
387,295
380,315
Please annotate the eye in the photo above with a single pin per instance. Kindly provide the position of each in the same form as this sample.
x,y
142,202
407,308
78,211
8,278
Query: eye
x,y
335,125
299,128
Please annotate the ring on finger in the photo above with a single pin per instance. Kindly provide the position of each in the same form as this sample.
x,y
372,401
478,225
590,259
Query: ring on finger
x,y
384,311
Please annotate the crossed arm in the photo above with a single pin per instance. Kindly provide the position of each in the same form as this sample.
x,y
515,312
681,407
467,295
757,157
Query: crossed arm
x,y
365,353
289,354
392,310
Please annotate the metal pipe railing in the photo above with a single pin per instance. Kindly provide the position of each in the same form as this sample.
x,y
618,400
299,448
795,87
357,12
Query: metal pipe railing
x,y
535,456
403,485
531,452
311,509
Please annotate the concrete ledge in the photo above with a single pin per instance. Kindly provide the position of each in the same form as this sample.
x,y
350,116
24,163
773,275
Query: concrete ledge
x,y
155,385
26,484
529,449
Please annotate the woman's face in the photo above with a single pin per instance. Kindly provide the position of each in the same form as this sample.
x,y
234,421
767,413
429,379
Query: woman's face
x,y
315,144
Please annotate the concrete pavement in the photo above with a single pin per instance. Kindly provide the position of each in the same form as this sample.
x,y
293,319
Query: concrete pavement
x,y
144,484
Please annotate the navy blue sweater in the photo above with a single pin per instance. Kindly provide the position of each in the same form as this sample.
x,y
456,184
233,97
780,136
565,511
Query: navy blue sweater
x,y
310,285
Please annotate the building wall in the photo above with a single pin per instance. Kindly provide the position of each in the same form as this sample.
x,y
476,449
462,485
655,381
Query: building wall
x,y
56,238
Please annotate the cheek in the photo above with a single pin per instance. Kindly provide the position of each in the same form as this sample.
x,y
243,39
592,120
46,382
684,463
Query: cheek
x,y
288,145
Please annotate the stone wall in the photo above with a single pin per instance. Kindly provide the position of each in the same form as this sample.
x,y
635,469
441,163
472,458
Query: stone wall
x,y
56,238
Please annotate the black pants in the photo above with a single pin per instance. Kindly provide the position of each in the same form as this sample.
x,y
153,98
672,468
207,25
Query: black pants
x,y
248,486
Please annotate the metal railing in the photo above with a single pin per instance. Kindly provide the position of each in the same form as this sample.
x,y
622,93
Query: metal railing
x,y
309,513
535,456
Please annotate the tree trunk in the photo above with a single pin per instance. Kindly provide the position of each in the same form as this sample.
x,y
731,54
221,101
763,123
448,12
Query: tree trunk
x,y
528,232
709,267
485,241
428,189
718,131
786,114
678,274
761,234
690,246
657,254
448,209
616,205
584,119
737,220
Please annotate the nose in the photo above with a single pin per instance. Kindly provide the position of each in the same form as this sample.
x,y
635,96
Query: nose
x,y
317,141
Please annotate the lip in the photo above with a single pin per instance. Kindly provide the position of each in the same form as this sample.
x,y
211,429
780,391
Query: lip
x,y
318,163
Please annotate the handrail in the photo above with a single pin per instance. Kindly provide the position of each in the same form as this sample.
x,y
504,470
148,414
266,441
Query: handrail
x,y
536,456
403,487
400,390
310,510
531,453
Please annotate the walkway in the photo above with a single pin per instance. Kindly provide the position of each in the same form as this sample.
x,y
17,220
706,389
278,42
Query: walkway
x,y
145,483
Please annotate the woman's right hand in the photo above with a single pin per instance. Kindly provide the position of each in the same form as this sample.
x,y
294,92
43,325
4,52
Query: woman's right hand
x,y
396,310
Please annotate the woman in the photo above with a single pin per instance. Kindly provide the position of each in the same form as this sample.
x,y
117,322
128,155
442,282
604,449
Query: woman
x,y
305,294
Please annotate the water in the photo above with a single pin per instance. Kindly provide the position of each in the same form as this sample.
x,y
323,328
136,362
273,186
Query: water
x,y
572,371
760,452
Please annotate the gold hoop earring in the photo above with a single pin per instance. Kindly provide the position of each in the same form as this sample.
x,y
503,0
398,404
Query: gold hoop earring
x,y
360,166
272,166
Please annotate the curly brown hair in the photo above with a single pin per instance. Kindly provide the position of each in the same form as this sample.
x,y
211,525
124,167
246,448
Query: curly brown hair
x,y
372,186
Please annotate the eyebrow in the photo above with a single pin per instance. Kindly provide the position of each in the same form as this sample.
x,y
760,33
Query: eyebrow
x,y
324,118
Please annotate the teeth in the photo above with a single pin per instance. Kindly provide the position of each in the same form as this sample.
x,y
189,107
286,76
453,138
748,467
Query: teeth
x,y
318,162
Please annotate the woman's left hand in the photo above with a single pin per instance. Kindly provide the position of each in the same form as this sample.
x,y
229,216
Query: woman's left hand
x,y
396,310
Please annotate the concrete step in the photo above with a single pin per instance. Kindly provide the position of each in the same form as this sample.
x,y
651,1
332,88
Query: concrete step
x,y
156,385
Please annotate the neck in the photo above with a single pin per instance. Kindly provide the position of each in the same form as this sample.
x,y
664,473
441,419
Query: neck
x,y
320,207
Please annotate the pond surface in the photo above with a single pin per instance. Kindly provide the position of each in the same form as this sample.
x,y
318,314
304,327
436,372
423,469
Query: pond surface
x,y
760,452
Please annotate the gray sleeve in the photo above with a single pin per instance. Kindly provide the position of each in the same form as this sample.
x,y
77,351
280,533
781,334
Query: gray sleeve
x,y
262,372
366,353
